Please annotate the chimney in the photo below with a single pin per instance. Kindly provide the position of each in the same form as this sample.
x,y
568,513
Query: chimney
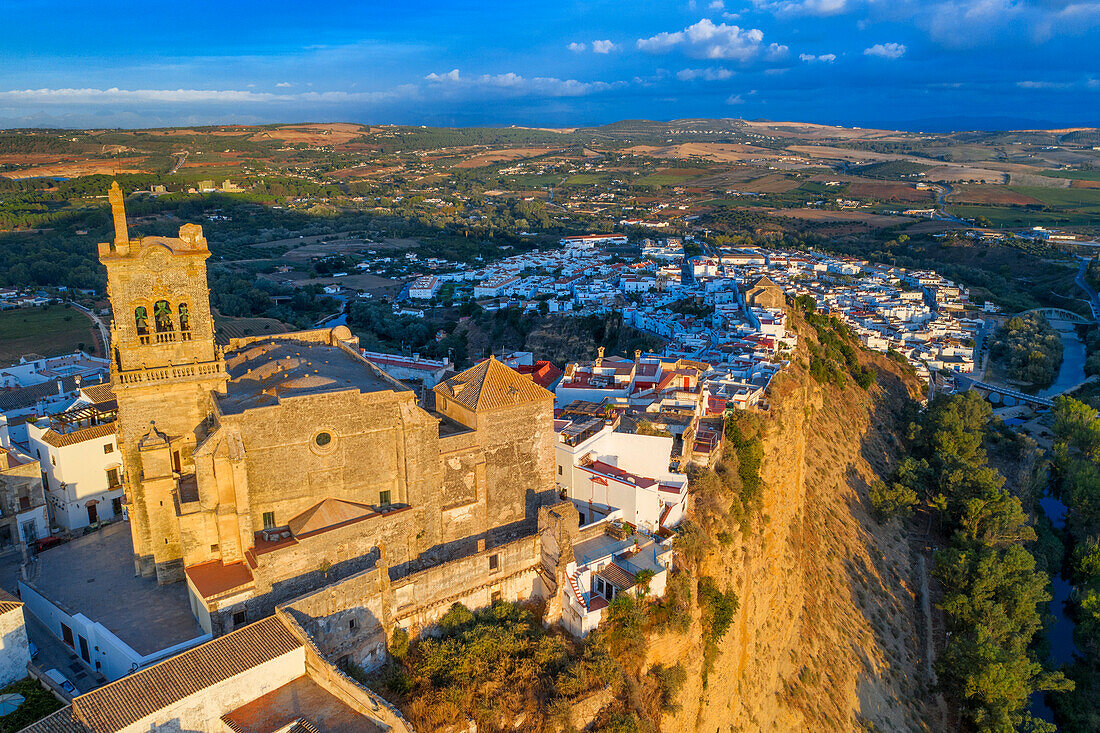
x,y
118,212
637,355
60,388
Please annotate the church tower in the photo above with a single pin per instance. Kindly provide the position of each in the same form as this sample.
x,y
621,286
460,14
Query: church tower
x,y
164,365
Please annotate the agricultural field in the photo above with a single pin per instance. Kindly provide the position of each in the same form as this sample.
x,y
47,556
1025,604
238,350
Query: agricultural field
x,y
1084,175
308,198
48,331
992,195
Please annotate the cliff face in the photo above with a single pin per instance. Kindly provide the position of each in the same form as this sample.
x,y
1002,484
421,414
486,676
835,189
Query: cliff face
x,y
829,631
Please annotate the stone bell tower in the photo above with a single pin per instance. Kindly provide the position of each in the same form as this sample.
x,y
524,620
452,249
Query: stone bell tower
x,y
164,365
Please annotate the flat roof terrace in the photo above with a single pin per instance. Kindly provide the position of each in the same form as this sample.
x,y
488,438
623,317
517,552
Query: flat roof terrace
x,y
264,371
94,575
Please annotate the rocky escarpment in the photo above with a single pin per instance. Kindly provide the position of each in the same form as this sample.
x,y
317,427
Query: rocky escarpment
x,y
829,630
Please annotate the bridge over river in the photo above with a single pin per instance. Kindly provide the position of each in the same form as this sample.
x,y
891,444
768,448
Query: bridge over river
x,y
1001,396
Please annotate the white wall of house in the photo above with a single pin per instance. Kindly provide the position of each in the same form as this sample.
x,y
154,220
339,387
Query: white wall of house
x,y
203,710
37,517
106,652
645,456
14,650
78,474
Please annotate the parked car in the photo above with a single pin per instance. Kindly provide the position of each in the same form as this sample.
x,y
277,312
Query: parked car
x,y
47,542
61,680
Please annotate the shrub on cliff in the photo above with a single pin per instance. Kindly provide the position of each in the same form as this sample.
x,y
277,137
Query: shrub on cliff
x,y
719,608
892,500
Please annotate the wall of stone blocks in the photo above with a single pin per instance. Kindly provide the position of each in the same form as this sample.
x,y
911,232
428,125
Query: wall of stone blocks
x,y
355,617
519,466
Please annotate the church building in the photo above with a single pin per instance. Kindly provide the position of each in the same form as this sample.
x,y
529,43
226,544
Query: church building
x,y
280,464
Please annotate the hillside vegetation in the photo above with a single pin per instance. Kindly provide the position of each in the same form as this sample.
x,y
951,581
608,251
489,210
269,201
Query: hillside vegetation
x,y
1028,349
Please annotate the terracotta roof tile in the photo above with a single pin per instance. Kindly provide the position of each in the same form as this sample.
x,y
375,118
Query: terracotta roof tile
x,y
99,393
126,701
491,385
60,440
60,722
328,513
621,579
8,602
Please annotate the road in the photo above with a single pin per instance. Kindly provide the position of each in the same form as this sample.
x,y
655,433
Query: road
x,y
104,332
180,159
1094,299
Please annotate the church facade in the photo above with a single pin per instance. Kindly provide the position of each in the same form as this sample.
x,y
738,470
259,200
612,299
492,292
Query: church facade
x,y
284,463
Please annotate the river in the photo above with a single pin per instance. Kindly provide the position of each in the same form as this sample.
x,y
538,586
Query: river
x,y
1060,635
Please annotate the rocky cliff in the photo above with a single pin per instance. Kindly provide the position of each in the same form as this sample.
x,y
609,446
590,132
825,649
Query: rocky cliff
x,y
830,631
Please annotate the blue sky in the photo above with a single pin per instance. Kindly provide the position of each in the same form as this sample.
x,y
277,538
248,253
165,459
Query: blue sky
x,y
914,64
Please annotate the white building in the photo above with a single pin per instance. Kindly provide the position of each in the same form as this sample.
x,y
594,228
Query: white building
x,y
82,473
15,652
604,567
33,369
425,288
587,241
604,472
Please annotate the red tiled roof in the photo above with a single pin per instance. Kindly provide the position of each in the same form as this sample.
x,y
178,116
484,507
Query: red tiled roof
x,y
124,702
618,577
214,578
60,440
542,373
617,473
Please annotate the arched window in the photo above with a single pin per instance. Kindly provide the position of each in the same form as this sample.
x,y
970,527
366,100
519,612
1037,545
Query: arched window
x,y
185,317
162,316
141,320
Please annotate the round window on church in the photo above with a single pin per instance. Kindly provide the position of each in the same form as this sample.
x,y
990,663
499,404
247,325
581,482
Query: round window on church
x,y
322,439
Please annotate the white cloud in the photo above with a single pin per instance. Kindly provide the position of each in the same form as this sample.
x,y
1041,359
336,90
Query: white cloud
x,y
886,50
708,40
284,84
734,99
825,58
191,96
777,52
1044,85
803,7
711,73
517,84
577,47
717,5
1088,83
451,75
603,46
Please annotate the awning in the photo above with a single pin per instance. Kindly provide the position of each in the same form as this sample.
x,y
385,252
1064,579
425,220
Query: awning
x,y
91,502
597,480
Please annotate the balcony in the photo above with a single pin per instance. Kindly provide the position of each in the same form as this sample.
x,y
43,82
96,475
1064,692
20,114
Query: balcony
x,y
163,337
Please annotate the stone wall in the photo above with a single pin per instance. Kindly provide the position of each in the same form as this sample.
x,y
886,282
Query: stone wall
x,y
518,443
353,619
358,698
